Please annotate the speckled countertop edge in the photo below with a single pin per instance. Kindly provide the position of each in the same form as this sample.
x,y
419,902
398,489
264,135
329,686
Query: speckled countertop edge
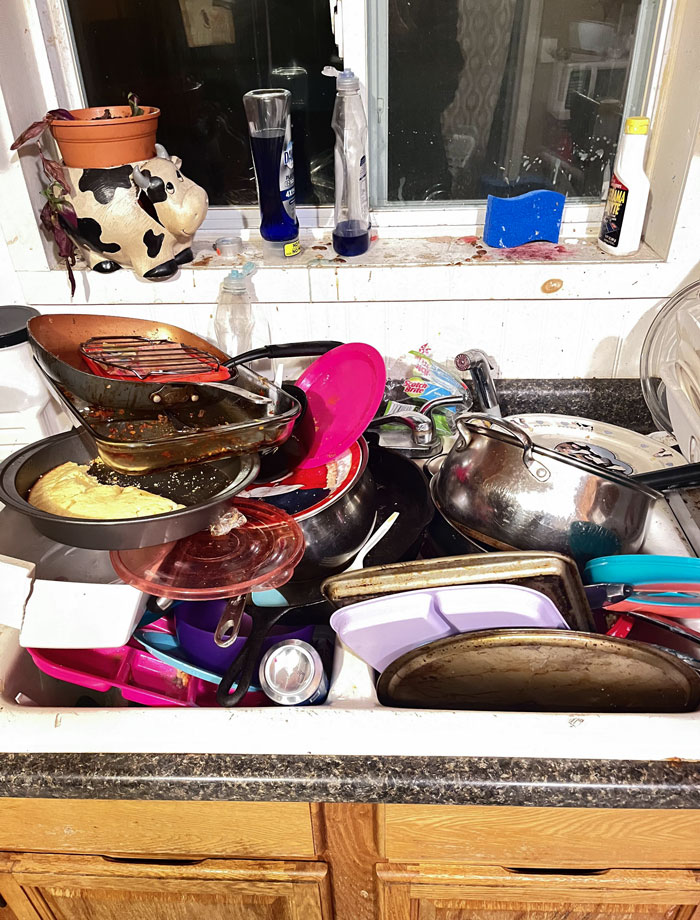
x,y
425,780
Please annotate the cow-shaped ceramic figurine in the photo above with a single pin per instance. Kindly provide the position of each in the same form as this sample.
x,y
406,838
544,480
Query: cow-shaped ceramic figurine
x,y
140,216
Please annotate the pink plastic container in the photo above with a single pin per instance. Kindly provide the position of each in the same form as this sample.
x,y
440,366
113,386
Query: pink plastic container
x,y
138,675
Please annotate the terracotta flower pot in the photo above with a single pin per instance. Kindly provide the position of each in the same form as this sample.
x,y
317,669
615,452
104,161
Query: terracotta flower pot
x,y
91,141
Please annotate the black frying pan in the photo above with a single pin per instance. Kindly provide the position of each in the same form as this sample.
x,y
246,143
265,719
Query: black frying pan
x,y
56,340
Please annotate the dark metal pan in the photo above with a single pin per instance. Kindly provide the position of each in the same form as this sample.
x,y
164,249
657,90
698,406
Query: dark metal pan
x,y
539,670
56,338
205,488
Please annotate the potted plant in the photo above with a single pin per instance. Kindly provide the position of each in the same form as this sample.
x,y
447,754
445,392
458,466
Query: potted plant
x,y
98,137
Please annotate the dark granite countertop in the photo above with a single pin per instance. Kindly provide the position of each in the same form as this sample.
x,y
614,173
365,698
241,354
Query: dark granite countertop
x,y
426,780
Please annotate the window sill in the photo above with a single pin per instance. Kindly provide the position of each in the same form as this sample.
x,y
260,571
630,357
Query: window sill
x,y
440,268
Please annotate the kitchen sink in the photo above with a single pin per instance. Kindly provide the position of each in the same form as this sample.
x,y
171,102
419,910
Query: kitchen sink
x,y
39,713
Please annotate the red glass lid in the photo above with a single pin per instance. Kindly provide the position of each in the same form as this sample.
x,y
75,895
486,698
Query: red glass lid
x,y
262,552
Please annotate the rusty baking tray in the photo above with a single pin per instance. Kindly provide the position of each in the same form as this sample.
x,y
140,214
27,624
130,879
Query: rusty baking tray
x,y
554,575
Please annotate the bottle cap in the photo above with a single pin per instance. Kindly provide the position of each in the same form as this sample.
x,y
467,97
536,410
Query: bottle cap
x,y
235,280
346,81
637,126
227,246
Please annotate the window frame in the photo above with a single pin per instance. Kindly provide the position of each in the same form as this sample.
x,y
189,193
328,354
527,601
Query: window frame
x,y
40,37
351,22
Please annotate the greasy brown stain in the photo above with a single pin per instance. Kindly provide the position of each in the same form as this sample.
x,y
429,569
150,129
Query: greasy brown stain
x,y
337,259
322,248
203,260
552,286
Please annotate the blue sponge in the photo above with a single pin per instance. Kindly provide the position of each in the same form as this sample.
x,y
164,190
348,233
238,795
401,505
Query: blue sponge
x,y
514,221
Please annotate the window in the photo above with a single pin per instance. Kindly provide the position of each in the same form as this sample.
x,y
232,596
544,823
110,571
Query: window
x,y
195,59
477,97
465,97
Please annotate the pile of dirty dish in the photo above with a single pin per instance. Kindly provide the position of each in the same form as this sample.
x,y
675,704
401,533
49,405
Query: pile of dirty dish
x,y
520,631
264,482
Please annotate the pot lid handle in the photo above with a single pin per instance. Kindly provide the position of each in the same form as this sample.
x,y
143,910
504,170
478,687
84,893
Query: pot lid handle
x,y
489,422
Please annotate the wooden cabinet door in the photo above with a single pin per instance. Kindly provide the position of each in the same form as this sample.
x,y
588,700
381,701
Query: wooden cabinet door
x,y
439,892
6,912
93,888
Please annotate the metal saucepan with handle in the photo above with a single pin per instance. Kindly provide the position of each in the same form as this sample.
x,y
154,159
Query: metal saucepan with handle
x,y
56,339
495,485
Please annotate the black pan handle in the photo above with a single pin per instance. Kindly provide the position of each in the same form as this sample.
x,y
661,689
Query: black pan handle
x,y
674,477
288,350
242,668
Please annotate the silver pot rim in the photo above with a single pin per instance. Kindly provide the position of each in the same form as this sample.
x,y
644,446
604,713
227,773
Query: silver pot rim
x,y
475,424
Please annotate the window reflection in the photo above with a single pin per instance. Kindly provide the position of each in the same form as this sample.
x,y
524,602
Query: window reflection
x,y
505,96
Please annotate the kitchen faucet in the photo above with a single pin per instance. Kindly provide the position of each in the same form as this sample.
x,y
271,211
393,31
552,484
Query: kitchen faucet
x,y
479,366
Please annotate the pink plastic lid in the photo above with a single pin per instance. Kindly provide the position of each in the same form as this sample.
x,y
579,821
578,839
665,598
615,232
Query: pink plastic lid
x,y
260,553
344,389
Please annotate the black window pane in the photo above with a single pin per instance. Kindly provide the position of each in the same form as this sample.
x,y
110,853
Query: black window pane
x,y
195,59
505,96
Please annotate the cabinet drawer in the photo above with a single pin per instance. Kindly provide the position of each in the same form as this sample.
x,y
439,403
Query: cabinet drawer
x,y
547,837
446,892
186,829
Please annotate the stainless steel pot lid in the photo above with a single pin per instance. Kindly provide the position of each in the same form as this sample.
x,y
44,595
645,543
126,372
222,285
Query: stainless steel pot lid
x,y
603,446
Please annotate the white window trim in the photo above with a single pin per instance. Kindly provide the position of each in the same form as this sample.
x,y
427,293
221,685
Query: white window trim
x,y
38,32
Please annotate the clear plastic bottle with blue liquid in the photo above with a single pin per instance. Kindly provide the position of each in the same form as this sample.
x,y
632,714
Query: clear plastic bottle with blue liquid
x,y
269,122
352,223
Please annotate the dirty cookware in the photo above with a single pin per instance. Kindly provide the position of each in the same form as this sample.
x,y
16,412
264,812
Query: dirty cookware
x,y
539,670
334,504
495,485
56,342
205,489
244,667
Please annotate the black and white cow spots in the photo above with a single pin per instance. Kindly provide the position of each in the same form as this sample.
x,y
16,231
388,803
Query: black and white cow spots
x,y
103,183
89,231
153,243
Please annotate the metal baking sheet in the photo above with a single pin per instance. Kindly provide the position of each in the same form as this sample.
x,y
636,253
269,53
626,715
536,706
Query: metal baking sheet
x,y
554,575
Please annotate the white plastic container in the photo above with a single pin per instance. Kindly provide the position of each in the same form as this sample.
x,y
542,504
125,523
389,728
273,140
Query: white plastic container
x,y
628,194
27,410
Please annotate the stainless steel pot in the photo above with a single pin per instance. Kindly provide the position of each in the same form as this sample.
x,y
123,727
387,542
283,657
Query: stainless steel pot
x,y
497,486
334,534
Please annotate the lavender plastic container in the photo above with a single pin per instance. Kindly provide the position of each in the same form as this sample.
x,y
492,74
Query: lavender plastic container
x,y
381,630
195,624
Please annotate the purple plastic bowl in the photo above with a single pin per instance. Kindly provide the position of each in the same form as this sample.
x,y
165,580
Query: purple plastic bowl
x,y
195,624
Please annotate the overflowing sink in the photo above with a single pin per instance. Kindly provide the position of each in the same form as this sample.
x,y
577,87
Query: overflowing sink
x,y
39,713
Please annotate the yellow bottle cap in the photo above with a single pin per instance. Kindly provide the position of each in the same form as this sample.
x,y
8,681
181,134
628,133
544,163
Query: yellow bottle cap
x,y
637,126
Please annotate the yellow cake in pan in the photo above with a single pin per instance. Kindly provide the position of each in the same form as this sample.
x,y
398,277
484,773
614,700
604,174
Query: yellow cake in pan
x,y
68,490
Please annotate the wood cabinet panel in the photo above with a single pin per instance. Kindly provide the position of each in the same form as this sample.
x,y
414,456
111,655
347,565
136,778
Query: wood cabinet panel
x,y
90,888
157,828
550,837
6,912
438,892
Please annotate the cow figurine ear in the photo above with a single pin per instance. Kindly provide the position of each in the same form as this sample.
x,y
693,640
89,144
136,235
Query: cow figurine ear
x,y
177,161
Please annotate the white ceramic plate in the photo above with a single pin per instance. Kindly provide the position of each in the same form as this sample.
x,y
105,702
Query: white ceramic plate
x,y
606,446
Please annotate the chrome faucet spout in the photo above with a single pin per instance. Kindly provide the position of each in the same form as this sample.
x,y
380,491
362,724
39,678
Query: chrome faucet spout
x,y
477,363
